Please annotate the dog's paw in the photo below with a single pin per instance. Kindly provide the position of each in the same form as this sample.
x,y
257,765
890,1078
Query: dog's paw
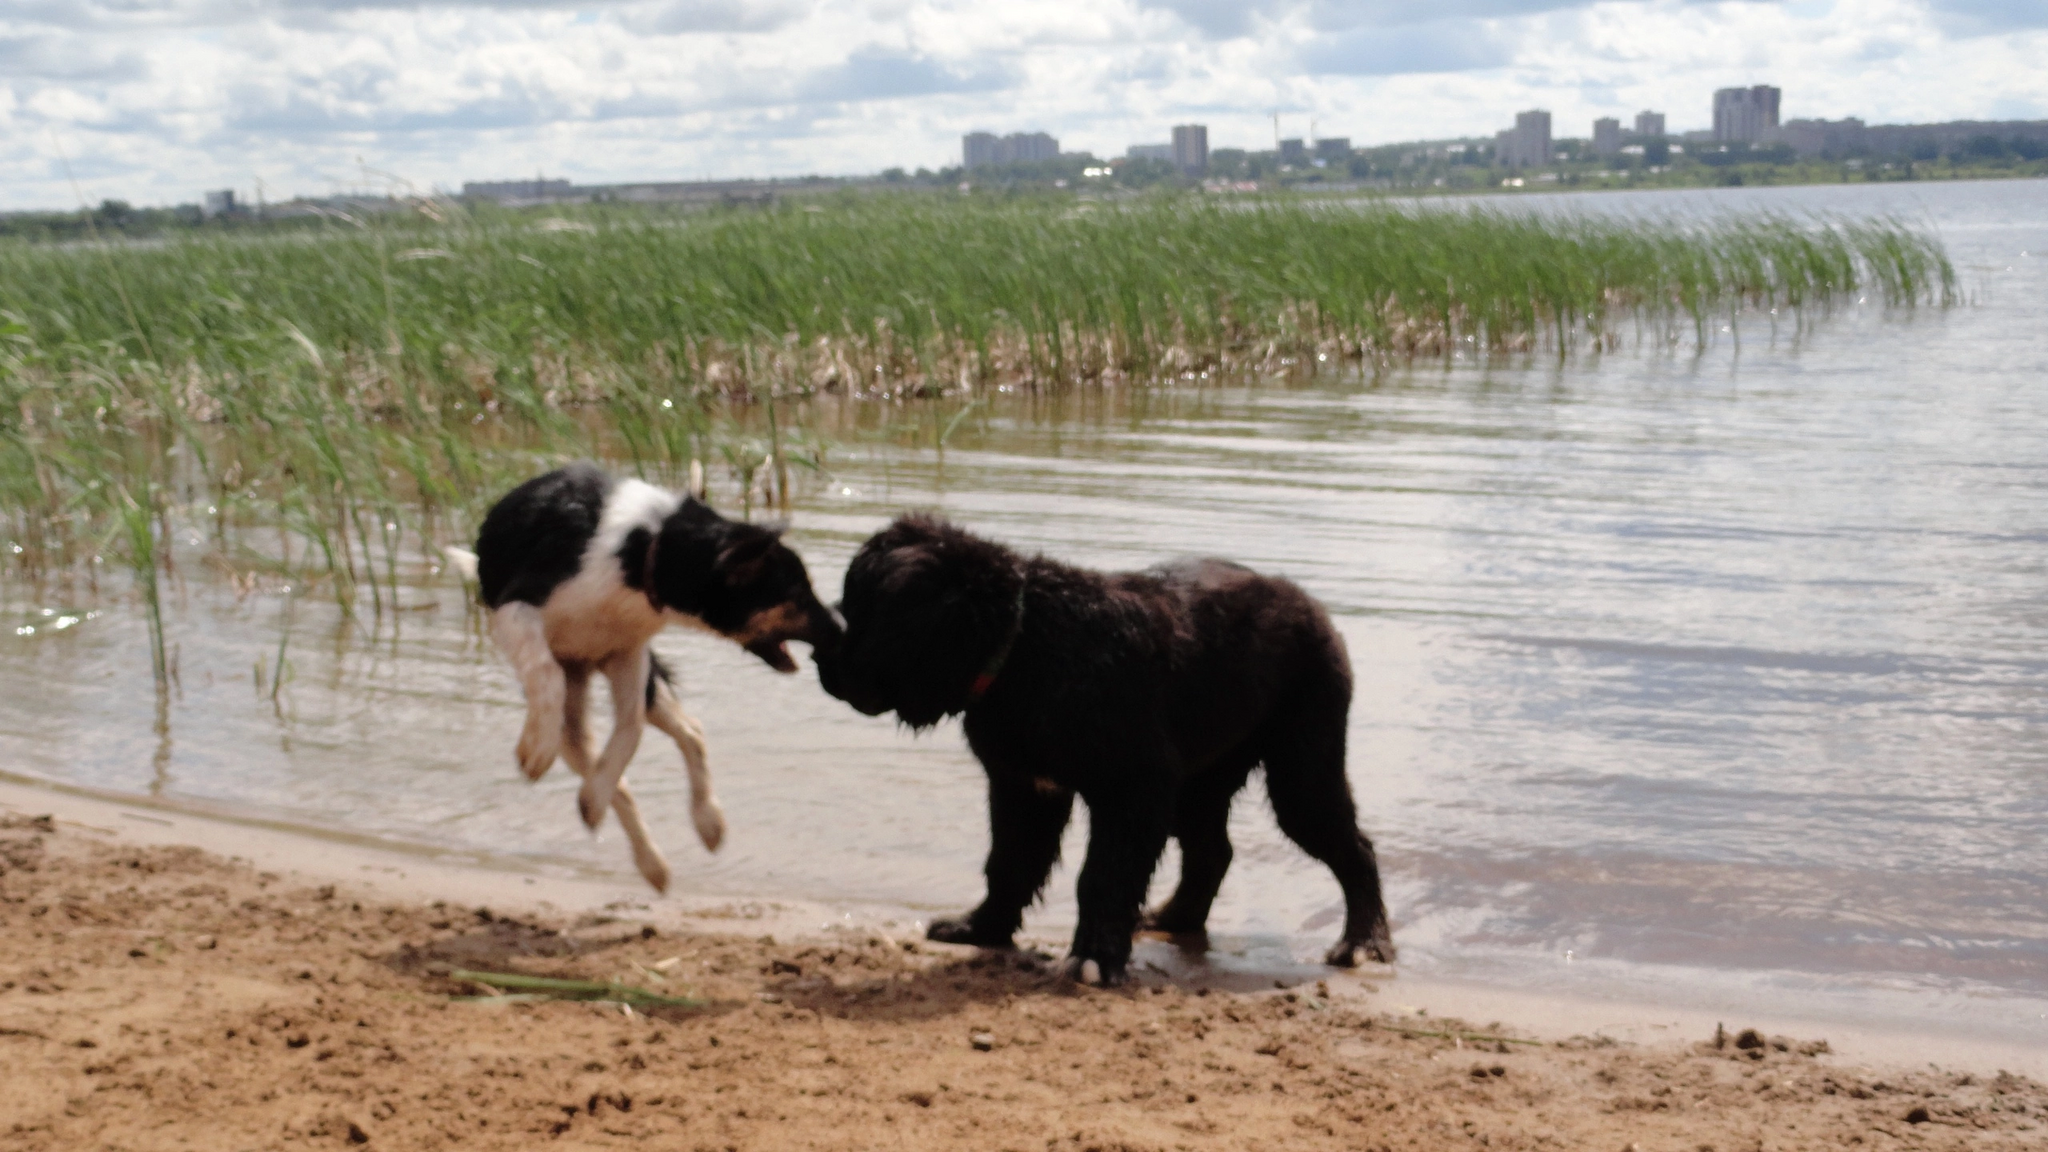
x,y
653,868
961,930
1096,973
1171,922
1378,948
591,801
537,752
710,821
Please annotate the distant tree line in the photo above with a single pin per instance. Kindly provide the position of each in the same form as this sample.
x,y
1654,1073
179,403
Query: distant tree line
x,y
111,218
1449,166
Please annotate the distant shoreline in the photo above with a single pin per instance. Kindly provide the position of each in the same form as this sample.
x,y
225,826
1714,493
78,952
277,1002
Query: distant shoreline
x,y
155,220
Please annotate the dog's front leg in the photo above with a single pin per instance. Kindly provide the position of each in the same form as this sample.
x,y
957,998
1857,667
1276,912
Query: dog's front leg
x,y
1126,833
523,638
1026,818
627,675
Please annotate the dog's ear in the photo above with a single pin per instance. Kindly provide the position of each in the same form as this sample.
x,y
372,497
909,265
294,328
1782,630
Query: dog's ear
x,y
744,555
901,565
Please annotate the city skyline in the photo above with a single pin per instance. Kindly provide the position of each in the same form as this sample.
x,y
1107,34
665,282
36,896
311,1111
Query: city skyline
x,y
1747,116
157,100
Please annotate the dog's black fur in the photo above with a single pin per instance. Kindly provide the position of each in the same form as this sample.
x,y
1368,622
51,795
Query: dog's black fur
x,y
1152,695
720,572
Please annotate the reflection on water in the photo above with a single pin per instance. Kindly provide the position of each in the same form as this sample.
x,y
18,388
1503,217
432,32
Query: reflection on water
x,y
1732,663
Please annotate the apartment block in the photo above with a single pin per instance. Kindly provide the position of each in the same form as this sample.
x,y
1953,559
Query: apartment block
x,y
1744,115
1821,137
1293,151
1191,148
1527,144
1607,136
1333,148
1852,137
979,148
534,191
1033,146
1650,124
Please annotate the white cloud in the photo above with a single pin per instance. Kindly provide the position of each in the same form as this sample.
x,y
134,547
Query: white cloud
x,y
1434,46
1987,17
154,100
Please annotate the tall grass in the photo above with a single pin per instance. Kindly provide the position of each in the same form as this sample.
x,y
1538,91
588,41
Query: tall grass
x,y
359,391
884,292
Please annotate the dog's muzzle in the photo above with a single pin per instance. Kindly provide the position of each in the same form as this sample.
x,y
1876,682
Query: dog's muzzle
x,y
833,677
819,627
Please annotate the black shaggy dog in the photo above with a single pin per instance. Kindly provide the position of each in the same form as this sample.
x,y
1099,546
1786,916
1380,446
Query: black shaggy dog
x,y
1152,695
580,573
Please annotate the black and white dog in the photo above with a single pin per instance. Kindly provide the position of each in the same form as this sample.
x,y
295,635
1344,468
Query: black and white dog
x,y
580,572
1152,695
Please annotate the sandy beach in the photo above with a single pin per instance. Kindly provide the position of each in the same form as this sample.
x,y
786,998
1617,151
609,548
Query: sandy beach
x,y
172,981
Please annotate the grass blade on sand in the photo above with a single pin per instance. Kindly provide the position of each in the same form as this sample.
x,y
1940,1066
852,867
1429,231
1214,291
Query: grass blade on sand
x,y
553,988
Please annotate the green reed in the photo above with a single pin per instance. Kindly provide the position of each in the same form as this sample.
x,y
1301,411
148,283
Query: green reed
x,y
872,293
363,390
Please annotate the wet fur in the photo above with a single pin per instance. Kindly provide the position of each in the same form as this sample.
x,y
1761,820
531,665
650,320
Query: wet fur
x,y
580,573
1151,695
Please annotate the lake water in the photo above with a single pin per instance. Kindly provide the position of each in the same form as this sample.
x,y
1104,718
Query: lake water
x,y
1716,675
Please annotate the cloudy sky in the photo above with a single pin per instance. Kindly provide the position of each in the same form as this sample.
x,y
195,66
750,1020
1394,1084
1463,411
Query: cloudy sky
x,y
155,100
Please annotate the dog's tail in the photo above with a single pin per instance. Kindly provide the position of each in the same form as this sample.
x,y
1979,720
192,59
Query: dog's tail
x,y
463,561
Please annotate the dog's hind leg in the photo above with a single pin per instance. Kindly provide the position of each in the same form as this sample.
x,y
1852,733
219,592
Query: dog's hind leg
x,y
1201,822
666,713
576,717
1312,800
523,638
646,857
1026,818
626,673
576,750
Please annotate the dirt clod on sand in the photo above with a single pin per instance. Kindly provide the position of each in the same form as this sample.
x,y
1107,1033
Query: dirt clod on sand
x,y
157,998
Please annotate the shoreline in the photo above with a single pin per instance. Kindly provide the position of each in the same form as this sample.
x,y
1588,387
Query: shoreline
x,y
414,873
157,995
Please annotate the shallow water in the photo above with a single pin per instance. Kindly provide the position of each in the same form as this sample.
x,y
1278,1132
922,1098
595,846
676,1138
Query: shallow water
x,y
1725,672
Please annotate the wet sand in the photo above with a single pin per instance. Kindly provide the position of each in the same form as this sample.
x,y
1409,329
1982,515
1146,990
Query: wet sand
x,y
156,993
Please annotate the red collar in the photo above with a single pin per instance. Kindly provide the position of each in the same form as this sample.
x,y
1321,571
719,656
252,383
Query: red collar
x,y
986,678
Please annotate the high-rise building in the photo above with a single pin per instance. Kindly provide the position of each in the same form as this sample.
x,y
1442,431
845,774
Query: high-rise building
x,y
1742,115
1607,136
1293,151
1027,146
1650,124
1191,148
1333,148
1532,133
1527,144
1149,152
979,148
221,203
